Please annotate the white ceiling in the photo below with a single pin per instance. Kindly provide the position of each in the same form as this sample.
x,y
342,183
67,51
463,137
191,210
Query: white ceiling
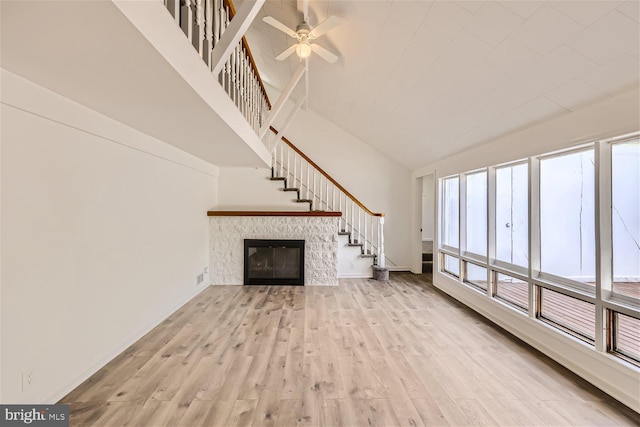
x,y
421,80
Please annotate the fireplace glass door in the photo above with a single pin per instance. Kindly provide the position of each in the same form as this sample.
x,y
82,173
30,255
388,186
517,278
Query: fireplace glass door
x,y
273,262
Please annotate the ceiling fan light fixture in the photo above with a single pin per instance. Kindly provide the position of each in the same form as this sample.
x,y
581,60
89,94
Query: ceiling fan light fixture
x,y
303,49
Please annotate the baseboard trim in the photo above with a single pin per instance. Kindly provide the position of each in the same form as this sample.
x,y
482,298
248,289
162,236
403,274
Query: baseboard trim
x,y
83,375
355,276
399,268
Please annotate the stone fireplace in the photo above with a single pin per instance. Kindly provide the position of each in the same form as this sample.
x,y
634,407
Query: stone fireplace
x,y
228,231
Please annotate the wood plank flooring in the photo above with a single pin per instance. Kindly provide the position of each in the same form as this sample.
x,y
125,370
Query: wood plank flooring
x,y
365,353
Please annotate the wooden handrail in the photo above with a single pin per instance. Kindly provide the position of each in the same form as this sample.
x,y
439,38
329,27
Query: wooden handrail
x,y
326,175
232,13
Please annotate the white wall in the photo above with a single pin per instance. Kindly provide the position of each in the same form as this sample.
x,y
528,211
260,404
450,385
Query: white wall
x,y
614,116
379,182
104,233
251,189
428,201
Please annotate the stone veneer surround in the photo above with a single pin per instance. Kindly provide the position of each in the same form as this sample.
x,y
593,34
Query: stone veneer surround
x,y
226,245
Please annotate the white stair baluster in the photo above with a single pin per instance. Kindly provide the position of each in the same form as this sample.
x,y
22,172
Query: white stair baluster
x,y
240,77
217,20
281,159
308,182
359,227
208,31
313,190
340,209
198,29
326,192
382,262
295,170
319,192
364,248
186,18
245,84
346,214
288,182
333,197
244,81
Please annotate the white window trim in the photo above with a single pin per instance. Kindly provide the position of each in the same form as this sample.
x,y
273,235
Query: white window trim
x,y
603,297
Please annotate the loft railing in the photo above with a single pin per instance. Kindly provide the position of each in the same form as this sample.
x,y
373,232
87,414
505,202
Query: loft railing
x,y
204,22
323,193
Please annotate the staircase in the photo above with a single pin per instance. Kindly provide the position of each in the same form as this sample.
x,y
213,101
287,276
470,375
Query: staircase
x,y
205,23
310,184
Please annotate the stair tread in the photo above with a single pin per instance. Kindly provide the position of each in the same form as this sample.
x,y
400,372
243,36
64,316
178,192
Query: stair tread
x,y
355,243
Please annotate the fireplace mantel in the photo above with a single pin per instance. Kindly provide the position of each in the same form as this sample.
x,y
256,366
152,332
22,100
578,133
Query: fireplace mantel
x,y
274,213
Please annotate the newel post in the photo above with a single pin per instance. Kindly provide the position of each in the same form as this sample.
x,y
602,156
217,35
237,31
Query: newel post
x,y
381,260
380,271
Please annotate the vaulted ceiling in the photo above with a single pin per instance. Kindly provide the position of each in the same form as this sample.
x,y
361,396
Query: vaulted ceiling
x,y
421,80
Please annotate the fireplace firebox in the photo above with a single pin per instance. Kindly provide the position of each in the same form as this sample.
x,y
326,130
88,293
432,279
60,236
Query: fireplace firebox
x,y
274,262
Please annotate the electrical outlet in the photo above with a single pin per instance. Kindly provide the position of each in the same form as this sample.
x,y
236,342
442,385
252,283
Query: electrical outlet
x,y
199,279
351,266
206,270
28,379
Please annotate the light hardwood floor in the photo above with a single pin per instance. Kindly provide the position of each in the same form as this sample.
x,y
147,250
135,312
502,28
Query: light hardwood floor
x,y
399,353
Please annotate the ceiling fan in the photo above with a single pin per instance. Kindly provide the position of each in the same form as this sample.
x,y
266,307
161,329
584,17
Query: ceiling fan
x,y
304,34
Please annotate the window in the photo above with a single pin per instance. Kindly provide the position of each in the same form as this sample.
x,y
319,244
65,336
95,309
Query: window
x,y
625,217
512,215
477,213
567,216
626,336
475,275
512,290
570,314
451,212
548,204
451,265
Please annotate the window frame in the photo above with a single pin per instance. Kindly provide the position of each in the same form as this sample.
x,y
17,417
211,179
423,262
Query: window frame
x,y
608,293
602,296
492,220
442,225
550,277
464,228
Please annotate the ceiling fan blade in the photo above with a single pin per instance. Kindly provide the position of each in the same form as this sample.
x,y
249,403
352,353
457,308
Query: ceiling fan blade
x,y
286,53
279,25
324,26
303,9
324,53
